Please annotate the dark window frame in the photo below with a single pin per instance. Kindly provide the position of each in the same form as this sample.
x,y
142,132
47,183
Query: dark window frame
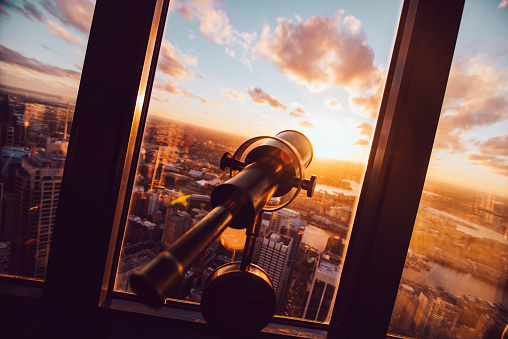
x,y
108,125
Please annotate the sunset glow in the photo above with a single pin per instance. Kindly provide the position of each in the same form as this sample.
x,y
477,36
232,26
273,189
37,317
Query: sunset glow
x,y
256,69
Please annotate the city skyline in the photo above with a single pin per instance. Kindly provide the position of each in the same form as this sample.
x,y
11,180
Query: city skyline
x,y
238,68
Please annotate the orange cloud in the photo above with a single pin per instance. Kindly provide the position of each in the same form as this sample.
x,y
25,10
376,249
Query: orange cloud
x,y
333,103
497,165
475,97
320,52
214,22
172,62
496,145
306,124
59,31
259,96
170,86
361,142
365,129
297,112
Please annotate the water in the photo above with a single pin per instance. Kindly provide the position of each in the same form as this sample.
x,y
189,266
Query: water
x,y
458,283
332,189
316,237
474,230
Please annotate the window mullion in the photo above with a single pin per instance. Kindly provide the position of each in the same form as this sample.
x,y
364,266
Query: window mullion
x,y
397,167
115,83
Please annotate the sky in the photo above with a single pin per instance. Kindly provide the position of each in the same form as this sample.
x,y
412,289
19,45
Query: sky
x,y
257,68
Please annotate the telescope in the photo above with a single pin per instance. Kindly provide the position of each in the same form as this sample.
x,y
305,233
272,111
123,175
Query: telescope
x,y
267,173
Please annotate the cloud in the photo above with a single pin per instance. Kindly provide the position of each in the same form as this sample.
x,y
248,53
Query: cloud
x,y
172,62
30,11
204,101
298,111
451,141
259,96
232,94
503,4
78,52
475,97
59,31
188,94
14,58
320,52
169,86
74,13
333,103
214,22
215,26
368,100
365,129
361,142
305,124
496,145
324,52
497,165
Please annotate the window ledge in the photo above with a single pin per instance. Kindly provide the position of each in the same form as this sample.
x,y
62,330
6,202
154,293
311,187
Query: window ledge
x,y
194,319
15,287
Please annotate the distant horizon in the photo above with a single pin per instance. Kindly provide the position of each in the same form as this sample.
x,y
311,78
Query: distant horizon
x,y
252,70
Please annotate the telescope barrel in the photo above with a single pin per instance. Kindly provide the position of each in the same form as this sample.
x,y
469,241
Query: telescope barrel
x,y
236,204
240,201
155,280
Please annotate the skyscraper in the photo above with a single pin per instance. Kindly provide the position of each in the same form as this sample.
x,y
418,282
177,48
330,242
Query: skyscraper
x,y
280,215
324,288
36,192
8,123
274,257
175,226
404,310
293,228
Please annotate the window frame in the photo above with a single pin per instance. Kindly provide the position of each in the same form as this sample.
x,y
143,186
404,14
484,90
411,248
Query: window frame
x,y
105,140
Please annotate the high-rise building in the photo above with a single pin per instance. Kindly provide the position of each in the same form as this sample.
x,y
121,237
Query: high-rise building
x,y
273,258
280,215
175,226
404,311
36,192
144,204
323,290
435,316
335,245
8,123
140,230
293,228
199,201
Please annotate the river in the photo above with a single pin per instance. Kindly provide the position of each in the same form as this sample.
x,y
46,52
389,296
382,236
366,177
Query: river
x,y
316,237
471,228
356,188
458,283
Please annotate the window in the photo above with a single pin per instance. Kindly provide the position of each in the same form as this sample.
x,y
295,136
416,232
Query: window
x,y
454,280
267,69
42,50
109,107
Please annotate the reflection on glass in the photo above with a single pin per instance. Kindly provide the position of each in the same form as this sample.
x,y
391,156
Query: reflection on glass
x,y
230,71
41,52
455,280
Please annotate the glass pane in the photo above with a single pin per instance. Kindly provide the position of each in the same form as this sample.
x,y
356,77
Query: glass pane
x,y
42,46
455,279
230,71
